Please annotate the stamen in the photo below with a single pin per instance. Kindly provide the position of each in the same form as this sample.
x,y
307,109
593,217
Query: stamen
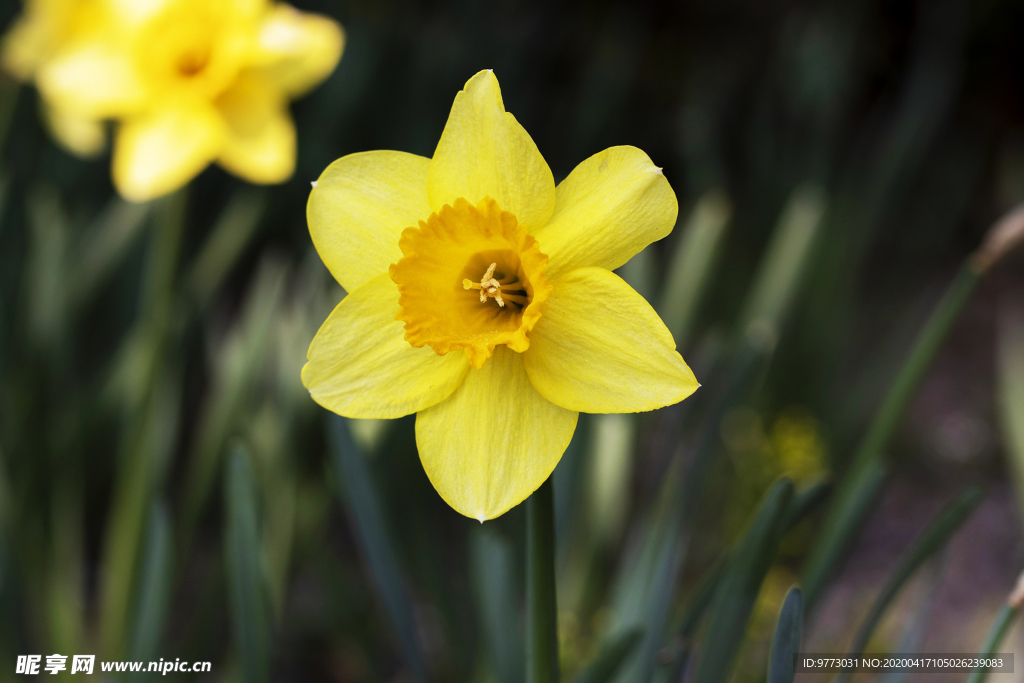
x,y
489,287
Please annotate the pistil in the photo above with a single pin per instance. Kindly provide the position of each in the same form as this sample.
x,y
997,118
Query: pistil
x,y
488,286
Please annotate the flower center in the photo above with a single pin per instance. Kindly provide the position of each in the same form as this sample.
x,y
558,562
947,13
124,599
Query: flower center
x,y
192,46
490,288
192,62
470,278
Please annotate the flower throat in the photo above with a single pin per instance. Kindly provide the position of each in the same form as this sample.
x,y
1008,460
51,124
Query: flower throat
x,y
470,278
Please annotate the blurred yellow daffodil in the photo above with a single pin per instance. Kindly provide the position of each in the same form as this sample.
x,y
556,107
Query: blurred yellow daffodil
x,y
43,27
188,82
496,317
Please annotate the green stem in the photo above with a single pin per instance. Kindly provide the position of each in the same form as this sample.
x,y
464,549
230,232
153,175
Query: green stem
x,y
866,472
995,637
135,481
541,602
938,533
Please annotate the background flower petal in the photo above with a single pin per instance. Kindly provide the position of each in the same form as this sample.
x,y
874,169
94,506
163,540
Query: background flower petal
x,y
34,35
79,135
610,207
130,15
359,208
359,364
95,79
494,441
601,348
259,145
297,50
484,152
159,152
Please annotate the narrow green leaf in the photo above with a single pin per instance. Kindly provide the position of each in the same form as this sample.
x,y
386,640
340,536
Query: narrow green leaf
x,y
541,597
65,567
692,263
850,505
702,597
645,587
246,582
496,580
237,365
806,500
1000,627
645,591
863,480
611,658
803,502
376,541
46,264
734,599
105,243
159,289
154,592
148,442
941,529
1010,380
227,239
610,473
782,269
138,357
570,482
916,628
786,639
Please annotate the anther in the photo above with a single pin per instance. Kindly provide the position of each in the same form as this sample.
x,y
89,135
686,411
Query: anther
x,y
488,286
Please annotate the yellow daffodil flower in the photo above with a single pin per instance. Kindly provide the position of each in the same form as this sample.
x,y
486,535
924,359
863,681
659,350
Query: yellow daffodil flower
x,y
36,36
189,82
481,298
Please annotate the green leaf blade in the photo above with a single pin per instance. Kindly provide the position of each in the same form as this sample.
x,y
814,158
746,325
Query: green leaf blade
x,y
734,599
610,660
786,640
246,585
934,537
375,539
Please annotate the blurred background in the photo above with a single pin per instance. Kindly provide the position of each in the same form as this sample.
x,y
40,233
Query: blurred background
x,y
168,489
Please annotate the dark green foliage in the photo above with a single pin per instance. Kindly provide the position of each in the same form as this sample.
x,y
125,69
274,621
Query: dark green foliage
x,y
835,164
786,639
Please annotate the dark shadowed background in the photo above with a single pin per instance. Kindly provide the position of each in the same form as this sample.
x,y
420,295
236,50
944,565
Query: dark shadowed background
x,y
835,163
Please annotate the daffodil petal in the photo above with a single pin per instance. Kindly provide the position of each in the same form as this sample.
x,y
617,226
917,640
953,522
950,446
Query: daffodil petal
x,y
31,38
297,50
359,364
161,151
609,208
260,137
132,14
359,207
494,441
79,135
247,9
129,16
599,347
96,79
484,152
